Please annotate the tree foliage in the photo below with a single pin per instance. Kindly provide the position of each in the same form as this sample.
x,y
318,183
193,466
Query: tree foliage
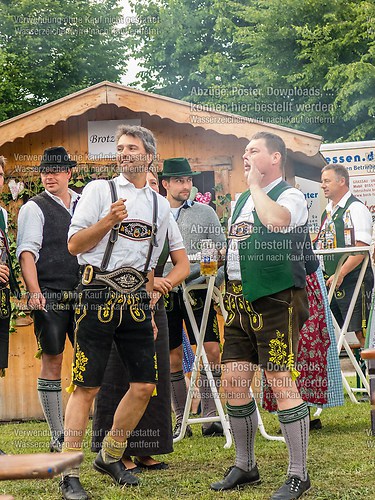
x,y
50,48
307,64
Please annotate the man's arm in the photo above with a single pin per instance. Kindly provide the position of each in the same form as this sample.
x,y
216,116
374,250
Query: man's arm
x,y
351,263
87,238
270,213
180,271
4,273
30,275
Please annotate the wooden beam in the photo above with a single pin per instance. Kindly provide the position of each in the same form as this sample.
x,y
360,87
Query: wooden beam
x,y
213,163
40,118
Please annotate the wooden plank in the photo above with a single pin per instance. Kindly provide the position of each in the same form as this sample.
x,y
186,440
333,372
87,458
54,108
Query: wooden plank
x,y
212,163
40,118
37,465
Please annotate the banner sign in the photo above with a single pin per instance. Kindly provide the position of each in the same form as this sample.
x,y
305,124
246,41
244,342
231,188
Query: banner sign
x,y
102,138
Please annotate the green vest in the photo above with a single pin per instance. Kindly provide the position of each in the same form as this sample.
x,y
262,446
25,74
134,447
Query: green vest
x,y
12,278
270,261
331,261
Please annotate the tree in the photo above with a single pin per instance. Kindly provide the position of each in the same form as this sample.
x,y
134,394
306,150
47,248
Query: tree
x,y
307,64
321,54
50,48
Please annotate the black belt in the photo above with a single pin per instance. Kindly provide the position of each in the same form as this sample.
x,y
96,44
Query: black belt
x,y
122,280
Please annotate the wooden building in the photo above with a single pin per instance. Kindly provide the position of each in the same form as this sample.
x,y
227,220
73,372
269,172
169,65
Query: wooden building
x,y
212,141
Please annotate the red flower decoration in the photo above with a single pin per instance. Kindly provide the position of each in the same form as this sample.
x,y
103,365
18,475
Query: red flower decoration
x,y
203,198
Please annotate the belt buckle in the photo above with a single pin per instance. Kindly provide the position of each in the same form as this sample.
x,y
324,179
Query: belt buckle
x,y
123,280
87,275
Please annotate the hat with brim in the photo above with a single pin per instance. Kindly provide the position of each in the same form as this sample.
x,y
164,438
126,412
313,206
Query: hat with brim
x,y
177,167
56,160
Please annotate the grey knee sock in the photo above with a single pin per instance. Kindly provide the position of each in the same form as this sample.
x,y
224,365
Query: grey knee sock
x,y
243,422
178,394
49,392
294,425
207,399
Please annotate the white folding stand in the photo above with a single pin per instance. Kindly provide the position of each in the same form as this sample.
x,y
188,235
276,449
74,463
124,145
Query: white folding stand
x,y
212,292
201,354
340,333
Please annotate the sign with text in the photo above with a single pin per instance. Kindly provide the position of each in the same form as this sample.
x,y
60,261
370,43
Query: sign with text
x,y
102,138
313,196
359,159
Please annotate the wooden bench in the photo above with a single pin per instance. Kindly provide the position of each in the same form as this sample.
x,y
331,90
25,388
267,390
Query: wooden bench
x,y
369,356
37,465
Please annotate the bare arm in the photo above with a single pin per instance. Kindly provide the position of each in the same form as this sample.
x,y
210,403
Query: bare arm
x,y
4,273
180,271
86,239
270,213
351,263
30,275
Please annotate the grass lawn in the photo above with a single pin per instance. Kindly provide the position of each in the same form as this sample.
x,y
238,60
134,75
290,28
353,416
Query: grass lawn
x,y
341,463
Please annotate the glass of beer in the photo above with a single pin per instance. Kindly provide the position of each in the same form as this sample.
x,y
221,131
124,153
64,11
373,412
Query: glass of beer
x,y
208,258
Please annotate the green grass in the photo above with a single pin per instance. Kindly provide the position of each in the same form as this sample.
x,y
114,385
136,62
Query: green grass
x,y
341,463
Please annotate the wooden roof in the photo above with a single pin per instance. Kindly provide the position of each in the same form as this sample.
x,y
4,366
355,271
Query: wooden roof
x,y
153,104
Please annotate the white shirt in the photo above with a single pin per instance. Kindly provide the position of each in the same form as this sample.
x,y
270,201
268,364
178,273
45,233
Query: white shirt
x,y
95,203
174,235
361,217
31,222
293,199
5,214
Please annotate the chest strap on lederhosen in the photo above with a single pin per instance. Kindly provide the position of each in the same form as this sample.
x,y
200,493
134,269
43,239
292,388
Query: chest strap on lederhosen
x,y
114,231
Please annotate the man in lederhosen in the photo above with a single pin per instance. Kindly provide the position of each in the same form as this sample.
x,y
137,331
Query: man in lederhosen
x,y
51,274
196,222
267,306
8,282
113,302
343,205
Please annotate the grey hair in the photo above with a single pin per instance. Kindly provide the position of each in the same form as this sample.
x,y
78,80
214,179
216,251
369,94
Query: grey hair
x,y
339,170
144,134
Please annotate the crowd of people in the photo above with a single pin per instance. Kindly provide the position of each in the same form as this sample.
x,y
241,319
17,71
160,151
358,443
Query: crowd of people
x,y
104,269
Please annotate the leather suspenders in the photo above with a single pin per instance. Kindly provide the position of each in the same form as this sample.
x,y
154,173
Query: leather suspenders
x,y
114,231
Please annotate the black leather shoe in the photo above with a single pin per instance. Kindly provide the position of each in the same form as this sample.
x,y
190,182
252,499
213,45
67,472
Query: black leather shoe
x,y
293,488
215,429
236,478
72,489
315,424
116,470
177,430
